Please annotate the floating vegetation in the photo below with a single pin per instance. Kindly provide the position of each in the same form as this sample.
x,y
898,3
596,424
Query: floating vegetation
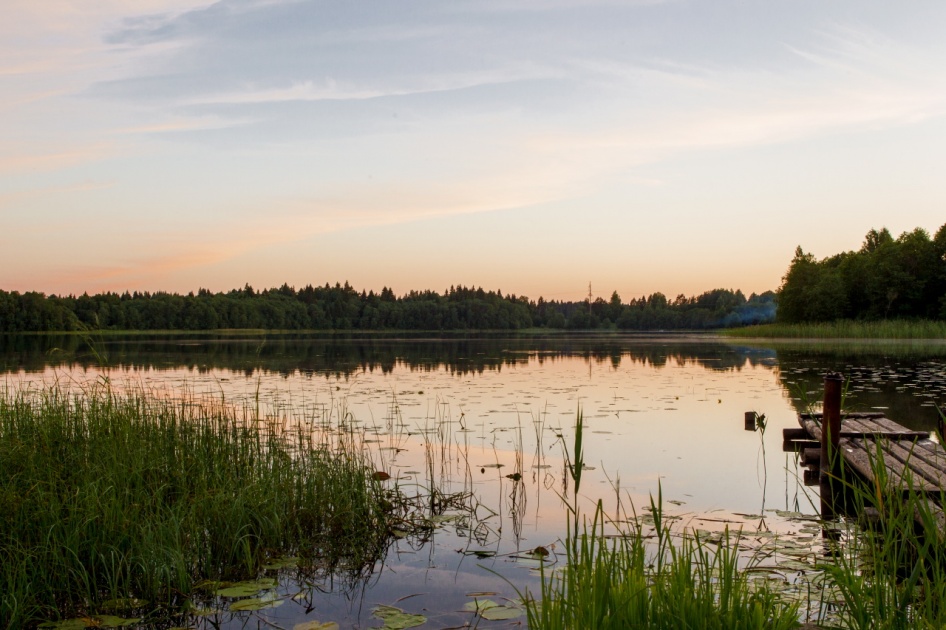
x,y
397,619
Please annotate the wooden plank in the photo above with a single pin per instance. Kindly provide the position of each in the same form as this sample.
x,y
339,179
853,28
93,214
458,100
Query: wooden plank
x,y
851,414
863,454
893,427
864,428
921,468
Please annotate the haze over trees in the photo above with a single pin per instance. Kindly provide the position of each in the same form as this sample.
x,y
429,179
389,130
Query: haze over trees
x,y
902,278
341,307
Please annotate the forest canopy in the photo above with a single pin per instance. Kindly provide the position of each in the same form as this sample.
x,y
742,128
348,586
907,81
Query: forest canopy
x,y
341,307
903,278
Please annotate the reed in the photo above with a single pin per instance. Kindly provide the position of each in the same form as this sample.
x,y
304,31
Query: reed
x,y
108,496
629,572
845,329
891,574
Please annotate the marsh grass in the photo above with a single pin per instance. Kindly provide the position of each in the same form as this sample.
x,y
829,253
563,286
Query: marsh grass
x,y
627,571
845,329
892,574
108,496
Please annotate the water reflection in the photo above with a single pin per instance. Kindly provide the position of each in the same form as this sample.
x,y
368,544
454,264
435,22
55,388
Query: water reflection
x,y
343,355
487,418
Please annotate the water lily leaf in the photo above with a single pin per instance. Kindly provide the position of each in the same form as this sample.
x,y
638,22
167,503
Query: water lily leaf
x,y
200,611
501,613
281,563
479,605
111,621
124,603
316,625
246,589
397,619
67,624
491,611
256,603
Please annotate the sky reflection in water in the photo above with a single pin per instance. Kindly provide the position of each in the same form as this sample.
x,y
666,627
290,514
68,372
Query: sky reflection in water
x,y
467,414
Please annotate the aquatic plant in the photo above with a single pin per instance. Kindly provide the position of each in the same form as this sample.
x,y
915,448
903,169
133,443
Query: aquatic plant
x,y
134,497
627,571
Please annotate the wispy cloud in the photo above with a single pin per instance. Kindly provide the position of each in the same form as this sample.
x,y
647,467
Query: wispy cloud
x,y
23,161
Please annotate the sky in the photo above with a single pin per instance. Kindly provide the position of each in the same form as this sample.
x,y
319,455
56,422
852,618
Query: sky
x,y
533,147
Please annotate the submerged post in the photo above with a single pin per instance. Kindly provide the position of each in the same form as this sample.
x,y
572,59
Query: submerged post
x,y
750,421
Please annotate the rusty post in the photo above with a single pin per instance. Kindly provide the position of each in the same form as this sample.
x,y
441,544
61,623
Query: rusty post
x,y
831,423
830,444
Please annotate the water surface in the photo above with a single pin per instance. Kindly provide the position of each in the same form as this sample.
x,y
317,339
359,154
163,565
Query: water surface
x,y
491,416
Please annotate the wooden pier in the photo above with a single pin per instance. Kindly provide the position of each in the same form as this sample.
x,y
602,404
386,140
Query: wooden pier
x,y
878,450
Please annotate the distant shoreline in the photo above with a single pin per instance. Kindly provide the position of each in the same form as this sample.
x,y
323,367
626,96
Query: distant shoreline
x,y
844,329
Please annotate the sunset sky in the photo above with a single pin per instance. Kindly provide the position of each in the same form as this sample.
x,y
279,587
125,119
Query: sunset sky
x,y
531,147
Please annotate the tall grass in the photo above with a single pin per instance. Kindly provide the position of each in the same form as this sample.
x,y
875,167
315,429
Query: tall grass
x,y
846,329
106,495
650,576
891,575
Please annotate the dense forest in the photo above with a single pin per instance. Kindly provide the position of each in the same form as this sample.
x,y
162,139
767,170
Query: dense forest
x,y
343,308
903,278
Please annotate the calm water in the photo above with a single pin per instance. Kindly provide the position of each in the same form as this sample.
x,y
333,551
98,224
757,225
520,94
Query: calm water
x,y
467,414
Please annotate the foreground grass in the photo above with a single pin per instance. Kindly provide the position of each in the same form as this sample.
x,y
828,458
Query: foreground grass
x,y
107,496
891,575
649,580
845,329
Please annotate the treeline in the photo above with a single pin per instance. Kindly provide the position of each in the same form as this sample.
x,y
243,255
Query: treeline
x,y
343,308
903,278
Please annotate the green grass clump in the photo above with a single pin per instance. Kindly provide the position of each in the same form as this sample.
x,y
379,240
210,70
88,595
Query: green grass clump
x,y
846,329
649,580
891,575
106,496
649,576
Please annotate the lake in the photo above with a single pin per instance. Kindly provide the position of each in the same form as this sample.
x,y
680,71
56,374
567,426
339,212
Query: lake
x,y
486,419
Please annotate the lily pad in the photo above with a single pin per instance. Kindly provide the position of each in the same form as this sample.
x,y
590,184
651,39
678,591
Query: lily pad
x,y
67,624
111,621
491,611
246,589
281,563
256,603
316,625
124,603
397,619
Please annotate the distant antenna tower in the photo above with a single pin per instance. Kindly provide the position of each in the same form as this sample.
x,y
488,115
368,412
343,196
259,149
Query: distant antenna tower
x,y
589,298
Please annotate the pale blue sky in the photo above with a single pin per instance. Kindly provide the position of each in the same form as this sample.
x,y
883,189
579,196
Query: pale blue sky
x,y
530,147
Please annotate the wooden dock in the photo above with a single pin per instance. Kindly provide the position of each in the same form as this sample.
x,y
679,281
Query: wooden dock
x,y
911,459
873,446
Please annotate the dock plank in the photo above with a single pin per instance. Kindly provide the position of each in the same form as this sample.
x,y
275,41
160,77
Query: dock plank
x,y
910,459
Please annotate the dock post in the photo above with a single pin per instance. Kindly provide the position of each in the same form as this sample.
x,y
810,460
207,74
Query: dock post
x,y
830,443
831,423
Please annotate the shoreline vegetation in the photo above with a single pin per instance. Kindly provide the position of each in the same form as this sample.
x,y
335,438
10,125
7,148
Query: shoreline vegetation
x,y
135,506
844,329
